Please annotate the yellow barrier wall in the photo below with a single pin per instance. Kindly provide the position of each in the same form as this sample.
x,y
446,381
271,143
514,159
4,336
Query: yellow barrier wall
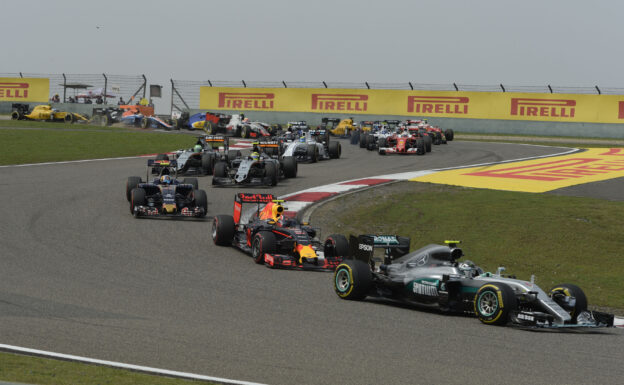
x,y
446,104
24,89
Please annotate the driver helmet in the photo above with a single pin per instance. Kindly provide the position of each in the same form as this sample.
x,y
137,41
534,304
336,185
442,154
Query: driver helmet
x,y
302,139
469,269
255,155
197,148
165,179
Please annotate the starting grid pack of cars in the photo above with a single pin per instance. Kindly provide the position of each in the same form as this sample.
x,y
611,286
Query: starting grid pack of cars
x,y
368,265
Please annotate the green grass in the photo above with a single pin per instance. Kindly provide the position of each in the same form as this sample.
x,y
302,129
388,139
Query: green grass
x,y
44,371
56,125
35,146
559,239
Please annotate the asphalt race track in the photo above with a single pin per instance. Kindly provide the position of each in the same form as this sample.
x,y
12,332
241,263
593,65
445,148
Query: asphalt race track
x,y
81,276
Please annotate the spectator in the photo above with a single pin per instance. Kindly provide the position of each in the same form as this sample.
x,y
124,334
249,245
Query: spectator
x,y
71,99
99,100
56,98
121,101
88,101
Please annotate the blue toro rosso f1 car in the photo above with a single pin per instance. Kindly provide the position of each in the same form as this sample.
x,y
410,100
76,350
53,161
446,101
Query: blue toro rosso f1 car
x,y
433,276
259,227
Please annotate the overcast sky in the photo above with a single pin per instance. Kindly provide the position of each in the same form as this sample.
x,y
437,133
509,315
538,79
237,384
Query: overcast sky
x,y
529,42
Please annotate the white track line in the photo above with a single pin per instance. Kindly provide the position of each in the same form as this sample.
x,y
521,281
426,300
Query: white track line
x,y
144,369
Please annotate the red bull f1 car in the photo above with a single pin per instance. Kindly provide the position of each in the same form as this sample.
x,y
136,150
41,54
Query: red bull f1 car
x,y
165,195
433,276
259,227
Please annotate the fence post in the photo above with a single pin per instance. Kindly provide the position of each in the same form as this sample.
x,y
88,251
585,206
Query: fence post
x,y
550,89
209,83
64,87
105,86
144,85
411,86
325,84
457,88
284,83
21,76
172,90
598,89
501,86
244,84
367,86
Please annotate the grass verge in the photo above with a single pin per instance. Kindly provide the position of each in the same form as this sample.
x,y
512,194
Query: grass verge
x,y
56,125
559,239
36,146
44,371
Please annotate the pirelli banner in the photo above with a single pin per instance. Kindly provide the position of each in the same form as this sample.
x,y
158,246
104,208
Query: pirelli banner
x,y
24,89
446,104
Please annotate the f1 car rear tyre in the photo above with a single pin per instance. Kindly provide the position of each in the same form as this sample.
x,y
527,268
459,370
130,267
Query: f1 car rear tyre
x,y
381,142
363,140
290,166
207,161
353,279
131,183
335,150
105,121
494,302
270,170
355,137
263,242
162,157
428,143
201,200
223,230
244,132
559,294
220,170
137,198
192,181
312,153
210,128
15,115
69,118
449,134
336,245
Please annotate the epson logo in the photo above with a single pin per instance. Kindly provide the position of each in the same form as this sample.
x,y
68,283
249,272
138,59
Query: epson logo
x,y
365,247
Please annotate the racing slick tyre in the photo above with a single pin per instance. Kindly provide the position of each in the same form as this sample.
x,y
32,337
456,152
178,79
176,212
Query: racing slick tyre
x,y
437,140
263,242
312,152
192,181
353,279
559,294
15,115
105,121
494,302
69,118
449,134
162,157
244,132
290,166
271,171
131,183
201,200
220,170
428,143
363,140
137,198
335,150
233,155
420,146
355,137
223,230
207,163
210,128
336,245
145,122
381,142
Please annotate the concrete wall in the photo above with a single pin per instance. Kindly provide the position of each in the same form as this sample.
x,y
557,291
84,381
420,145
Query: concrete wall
x,y
515,127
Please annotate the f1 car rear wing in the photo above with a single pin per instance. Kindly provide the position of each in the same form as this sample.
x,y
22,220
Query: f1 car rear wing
x,y
241,198
162,163
215,141
363,246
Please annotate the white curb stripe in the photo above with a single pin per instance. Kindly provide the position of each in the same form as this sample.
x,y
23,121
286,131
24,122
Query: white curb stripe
x,y
145,369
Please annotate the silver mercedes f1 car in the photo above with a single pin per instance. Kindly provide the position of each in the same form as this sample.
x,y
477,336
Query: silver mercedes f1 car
x,y
432,276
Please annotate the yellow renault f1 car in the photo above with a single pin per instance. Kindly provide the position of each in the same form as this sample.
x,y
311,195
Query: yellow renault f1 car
x,y
45,112
338,127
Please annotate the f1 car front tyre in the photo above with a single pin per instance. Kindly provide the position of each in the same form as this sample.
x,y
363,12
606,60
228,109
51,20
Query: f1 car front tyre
x,y
207,162
363,140
145,123
336,245
137,198
312,152
263,243
428,142
69,118
192,181
271,171
449,134
131,183
353,279
494,302
201,200
15,115
420,146
334,150
561,295
223,230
